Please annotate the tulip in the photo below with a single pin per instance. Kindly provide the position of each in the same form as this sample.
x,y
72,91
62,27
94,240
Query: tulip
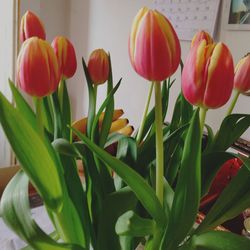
x,y
242,75
37,68
31,26
66,56
207,77
201,35
98,66
154,47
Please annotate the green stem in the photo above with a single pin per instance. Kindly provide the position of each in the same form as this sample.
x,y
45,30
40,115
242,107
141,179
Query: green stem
x,y
39,117
236,96
159,142
140,132
203,113
60,93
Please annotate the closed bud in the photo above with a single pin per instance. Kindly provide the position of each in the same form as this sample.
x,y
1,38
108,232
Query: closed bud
x,y
37,68
201,35
207,77
66,56
31,26
154,47
242,75
98,66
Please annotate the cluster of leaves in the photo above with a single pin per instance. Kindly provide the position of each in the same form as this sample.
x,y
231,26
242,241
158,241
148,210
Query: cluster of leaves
x,y
116,207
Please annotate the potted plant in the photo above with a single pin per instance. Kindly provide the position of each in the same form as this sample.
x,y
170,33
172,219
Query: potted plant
x,y
148,192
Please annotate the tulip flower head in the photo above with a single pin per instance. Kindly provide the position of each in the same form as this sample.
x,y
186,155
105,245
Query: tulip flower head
x,y
66,56
38,72
154,47
98,66
207,77
242,75
201,35
31,26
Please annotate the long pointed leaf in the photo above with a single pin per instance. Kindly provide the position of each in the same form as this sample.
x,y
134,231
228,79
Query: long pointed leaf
x,y
36,156
187,194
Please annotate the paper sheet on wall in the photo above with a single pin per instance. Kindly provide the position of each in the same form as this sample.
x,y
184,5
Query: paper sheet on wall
x,y
190,16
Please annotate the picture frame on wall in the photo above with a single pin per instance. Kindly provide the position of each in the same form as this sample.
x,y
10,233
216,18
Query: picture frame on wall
x,y
237,15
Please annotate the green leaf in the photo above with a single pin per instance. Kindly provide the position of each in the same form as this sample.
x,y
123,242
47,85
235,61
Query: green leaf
x,y
108,115
63,147
142,190
232,127
106,102
210,165
92,99
16,214
113,138
126,152
187,195
209,140
232,201
36,156
131,224
215,240
114,205
23,106
65,109
47,113
57,115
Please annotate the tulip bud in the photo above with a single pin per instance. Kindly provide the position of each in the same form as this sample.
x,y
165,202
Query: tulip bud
x,y
98,66
154,47
66,56
31,26
207,77
37,68
242,75
201,35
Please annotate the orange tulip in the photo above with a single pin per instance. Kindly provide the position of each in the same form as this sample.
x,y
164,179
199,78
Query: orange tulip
x,y
154,47
38,72
66,56
201,35
98,66
31,26
207,77
242,75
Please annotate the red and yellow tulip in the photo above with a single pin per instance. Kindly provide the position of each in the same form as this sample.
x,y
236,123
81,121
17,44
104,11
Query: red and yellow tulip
x,y
242,75
31,26
154,47
66,56
207,77
201,35
98,66
38,72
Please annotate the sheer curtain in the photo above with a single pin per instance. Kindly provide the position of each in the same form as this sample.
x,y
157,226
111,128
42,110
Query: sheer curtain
x,y
8,49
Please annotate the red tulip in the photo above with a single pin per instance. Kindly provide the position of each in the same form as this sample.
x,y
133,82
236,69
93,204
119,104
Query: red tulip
x,y
98,66
201,35
154,47
31,26
66,56
242,75
38,72
207,77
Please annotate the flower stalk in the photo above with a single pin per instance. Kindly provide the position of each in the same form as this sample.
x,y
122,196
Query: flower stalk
x,y
232,105
140,132
159,142
203,112
39,117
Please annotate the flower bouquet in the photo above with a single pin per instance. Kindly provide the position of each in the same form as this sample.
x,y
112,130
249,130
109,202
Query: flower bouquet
x,y
147,191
